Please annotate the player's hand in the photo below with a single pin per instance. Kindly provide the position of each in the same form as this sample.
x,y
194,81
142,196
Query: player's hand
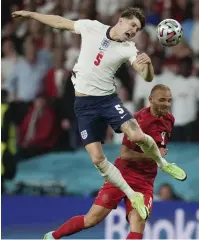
x,y
142,58
163,151
21,14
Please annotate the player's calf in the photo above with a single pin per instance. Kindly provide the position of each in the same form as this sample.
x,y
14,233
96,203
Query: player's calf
x,y
137,225
95,215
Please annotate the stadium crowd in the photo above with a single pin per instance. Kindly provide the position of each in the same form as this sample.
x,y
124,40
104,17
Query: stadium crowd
x,y
37,63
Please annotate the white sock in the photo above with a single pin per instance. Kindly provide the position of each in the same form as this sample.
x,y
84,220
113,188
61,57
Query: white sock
x,y
113,175
150,148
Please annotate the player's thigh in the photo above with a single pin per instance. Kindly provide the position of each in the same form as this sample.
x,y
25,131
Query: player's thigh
x,y
115,113
109,196
96,152
95,215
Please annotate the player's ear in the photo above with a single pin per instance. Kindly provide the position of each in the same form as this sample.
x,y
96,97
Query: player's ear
x,y
120,20
150,99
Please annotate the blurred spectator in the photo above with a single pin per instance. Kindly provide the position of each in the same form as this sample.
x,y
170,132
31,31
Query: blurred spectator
x,y
176,9
144,43
181,10
152,15
59,89
9,31
185,91
191,28
26,78
56,76
125,98
166,193
10,58
38,132
124,76
176,53
35,31
68,10
72,53
45,54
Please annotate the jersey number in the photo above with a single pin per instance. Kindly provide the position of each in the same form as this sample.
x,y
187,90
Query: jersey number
x,y
119,109
163,134
98,59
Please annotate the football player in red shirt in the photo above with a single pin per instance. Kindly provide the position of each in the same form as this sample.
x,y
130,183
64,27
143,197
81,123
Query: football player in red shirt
x,y
137,169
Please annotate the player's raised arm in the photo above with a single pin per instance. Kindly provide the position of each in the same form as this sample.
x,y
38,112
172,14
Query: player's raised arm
x,y
50,20
143,65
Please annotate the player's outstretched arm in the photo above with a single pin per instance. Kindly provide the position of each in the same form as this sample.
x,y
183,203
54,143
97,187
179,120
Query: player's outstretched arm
x,y
132,155
50,20
143,65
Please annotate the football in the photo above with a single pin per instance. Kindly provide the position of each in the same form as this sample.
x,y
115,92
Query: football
x,y
169,32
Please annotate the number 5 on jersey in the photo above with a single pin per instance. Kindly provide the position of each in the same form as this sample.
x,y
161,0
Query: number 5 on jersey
x,y
98,59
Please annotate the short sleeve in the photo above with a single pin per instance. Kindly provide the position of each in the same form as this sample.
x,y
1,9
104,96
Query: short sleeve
x,y
82,25
128,143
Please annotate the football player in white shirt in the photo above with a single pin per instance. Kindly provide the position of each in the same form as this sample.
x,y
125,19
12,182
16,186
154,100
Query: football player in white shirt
x,y
103,50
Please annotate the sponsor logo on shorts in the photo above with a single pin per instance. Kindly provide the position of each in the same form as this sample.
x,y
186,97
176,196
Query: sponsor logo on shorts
x,y
84,134
123,116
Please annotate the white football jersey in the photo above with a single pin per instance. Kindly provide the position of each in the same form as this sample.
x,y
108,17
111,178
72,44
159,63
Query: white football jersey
x,y
99,59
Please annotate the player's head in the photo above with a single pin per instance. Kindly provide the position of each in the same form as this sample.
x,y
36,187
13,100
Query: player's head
x,y
131,21
160,100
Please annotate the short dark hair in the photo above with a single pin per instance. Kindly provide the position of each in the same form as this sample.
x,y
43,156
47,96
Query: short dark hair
x,y
159,86
134,12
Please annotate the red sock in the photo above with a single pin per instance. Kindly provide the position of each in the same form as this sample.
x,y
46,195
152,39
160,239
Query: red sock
x,y
73,225
134,235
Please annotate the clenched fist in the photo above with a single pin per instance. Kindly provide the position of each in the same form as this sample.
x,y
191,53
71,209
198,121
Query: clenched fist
x,y
21,14
142,59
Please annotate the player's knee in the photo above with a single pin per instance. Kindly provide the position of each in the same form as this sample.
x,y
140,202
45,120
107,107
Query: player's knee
x,y
90,220
97,158
136,136
133,131
137,224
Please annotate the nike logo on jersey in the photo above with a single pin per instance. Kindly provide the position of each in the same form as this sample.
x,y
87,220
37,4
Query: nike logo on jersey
x,y
101,49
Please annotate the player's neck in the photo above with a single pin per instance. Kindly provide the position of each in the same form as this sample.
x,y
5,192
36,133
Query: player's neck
x,y
154,113
113,34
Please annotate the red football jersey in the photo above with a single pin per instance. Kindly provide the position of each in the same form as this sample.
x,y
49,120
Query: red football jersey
x,y
144,172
